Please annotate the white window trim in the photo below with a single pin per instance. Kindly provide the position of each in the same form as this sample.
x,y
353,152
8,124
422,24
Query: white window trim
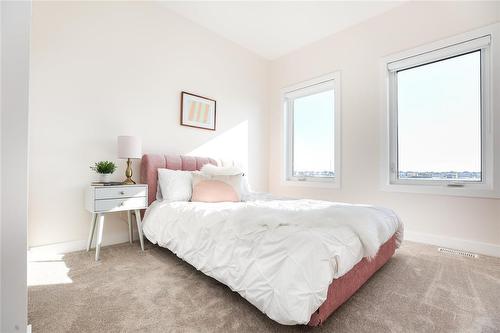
x,y
332,80
490,185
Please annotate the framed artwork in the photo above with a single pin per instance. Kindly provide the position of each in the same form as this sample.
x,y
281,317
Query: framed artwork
x,y
197,111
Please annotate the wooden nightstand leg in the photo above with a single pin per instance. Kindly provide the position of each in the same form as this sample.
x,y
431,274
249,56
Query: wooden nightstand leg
x,y
100,226
92,230
139,227
130,234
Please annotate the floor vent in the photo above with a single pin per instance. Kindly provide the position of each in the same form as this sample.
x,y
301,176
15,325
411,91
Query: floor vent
x,y
458,252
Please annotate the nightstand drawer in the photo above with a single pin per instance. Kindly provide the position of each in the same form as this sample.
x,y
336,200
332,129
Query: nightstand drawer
x,y
114,205
120,192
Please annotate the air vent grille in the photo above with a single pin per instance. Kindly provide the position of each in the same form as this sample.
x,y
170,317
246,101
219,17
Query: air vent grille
x,y
458,252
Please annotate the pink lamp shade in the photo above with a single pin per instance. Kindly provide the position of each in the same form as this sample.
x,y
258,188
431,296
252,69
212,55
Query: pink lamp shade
x,y
129,147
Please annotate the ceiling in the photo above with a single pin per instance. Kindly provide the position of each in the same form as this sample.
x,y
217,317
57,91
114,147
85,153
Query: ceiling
x,y
275,28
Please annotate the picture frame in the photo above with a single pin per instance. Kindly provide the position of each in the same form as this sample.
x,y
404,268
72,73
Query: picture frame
x,y
198,111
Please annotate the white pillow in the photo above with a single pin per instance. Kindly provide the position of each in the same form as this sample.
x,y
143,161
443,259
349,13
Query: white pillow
x,y
175,185
213,170
245,188
159,197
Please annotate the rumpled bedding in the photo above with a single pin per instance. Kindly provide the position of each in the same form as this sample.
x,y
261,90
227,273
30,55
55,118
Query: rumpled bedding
x,y
280,255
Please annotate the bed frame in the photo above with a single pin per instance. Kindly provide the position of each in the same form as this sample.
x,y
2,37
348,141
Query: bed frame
x,y
339,291
151,162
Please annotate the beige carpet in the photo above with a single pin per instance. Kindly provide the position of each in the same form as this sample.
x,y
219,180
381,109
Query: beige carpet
x,y
418,290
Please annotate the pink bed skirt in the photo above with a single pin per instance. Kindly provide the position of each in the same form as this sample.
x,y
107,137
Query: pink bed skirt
x,y
343,288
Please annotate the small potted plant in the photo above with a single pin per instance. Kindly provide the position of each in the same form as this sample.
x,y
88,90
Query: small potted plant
x,y
104,169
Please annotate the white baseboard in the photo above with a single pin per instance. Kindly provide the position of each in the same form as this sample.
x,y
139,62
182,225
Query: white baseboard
x,y
79,245
450,242
454,243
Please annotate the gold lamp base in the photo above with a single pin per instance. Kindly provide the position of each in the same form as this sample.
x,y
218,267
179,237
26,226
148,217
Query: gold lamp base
x,y
128,173
128,181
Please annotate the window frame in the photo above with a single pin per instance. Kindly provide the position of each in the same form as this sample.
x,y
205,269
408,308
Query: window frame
x,y
289,94
481,39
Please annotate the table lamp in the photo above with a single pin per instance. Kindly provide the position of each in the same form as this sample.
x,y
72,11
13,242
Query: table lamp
x,y
129,147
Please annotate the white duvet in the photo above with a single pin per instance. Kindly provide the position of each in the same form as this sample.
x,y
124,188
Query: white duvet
x,y
281,255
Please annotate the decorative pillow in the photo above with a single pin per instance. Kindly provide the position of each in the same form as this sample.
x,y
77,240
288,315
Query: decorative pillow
x,y
216,188
174,185
210,169
213,170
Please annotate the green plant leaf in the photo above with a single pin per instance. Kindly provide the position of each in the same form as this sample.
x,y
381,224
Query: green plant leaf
x,y
104,167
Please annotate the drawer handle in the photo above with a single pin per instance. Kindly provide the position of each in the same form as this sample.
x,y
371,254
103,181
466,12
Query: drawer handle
x,y
122,203
122,192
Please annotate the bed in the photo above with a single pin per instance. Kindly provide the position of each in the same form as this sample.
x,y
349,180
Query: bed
x,y
295,260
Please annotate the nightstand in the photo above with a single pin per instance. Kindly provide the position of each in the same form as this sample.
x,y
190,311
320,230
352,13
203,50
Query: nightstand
x,y
100,200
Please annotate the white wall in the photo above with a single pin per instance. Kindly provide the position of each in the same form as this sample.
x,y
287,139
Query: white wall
x,y
357,53
103,69
15,33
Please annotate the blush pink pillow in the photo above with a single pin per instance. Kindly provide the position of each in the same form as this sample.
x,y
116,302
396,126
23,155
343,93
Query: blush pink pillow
x,y
216,188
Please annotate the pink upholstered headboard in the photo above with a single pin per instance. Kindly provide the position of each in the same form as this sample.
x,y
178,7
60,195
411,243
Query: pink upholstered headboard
x,y
151,162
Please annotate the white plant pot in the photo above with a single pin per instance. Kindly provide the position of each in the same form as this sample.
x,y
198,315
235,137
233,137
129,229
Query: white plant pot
x,y
104,177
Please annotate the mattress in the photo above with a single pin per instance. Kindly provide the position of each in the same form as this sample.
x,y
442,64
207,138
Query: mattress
x,y
281,255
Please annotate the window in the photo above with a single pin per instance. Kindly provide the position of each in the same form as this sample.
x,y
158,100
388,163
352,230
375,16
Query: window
x,y
439,120
312,131
439,116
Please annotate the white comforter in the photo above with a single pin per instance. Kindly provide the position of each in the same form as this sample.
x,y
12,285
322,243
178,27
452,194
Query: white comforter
x,y
281,255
